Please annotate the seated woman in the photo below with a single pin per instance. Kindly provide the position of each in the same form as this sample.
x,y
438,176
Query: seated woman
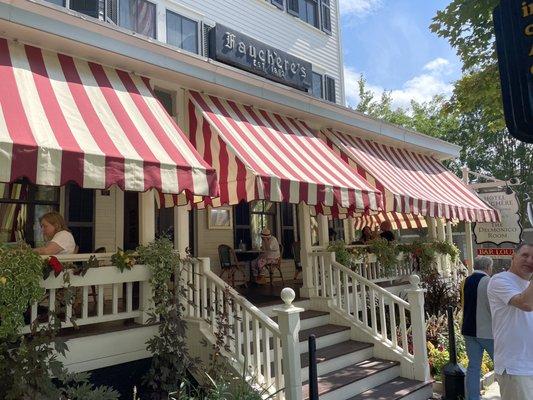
x,y
366,236
269,254
58,237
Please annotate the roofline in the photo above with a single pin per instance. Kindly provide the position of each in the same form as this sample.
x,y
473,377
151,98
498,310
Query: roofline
x,y
21,18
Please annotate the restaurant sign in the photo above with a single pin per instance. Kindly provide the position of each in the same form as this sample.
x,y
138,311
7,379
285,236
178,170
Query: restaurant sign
x,y
508,230
513,25
496,252
241,51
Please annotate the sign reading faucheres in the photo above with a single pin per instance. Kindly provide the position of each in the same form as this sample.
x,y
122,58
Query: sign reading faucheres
x,y
508,230
241,51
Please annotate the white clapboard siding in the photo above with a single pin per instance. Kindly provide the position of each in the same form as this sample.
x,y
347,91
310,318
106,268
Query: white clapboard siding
x,y
264,22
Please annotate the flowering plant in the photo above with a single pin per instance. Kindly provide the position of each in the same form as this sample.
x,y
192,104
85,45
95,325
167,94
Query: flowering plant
x,y
123,259
52,264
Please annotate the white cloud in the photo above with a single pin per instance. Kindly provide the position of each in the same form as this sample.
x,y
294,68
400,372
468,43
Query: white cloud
x,y
420,88
359,7
439,65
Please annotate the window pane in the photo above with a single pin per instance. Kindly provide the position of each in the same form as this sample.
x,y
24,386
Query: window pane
x,y
138,16
189,35
87,7
58,2
35,235
257,223
173,29
47,193
13,218
287,240
15,191
312,15
80,204
287,214
83,237
242,214
164,221
166,100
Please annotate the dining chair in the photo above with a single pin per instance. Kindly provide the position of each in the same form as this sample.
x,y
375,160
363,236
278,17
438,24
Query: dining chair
x,y
229,263
275,265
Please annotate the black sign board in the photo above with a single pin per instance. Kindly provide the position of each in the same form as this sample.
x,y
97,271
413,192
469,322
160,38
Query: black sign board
x,y
241,51
513,23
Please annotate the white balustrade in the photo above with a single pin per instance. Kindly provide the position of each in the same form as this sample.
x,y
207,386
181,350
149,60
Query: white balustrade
x,y
375,310
103,294
254,341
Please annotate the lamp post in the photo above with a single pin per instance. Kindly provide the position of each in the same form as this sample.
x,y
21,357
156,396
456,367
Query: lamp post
x,y
453,373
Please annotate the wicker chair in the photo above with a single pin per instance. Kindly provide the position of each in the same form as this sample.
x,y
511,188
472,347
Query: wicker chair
x,y
275,265
229,263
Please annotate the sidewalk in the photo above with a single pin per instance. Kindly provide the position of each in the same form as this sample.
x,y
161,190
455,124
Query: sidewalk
x,y
492,392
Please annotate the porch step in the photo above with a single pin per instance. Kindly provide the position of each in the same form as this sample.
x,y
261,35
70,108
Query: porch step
x,y
398,388
326,335
354,379
310,319
336,357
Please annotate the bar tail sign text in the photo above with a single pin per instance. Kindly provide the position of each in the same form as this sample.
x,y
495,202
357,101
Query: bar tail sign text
x,y
513,24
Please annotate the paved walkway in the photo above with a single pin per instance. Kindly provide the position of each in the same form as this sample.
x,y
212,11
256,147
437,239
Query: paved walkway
x,y
492,392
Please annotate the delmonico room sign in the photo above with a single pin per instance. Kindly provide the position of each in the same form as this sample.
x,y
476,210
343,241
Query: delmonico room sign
x,y
509,229
234,48
513,24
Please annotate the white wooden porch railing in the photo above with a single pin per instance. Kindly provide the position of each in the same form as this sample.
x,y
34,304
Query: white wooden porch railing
x,y
381,314
111,294
255,342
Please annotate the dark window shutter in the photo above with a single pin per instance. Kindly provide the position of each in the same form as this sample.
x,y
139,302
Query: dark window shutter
x,y
278,3
205,39
292,7
111,11
330,89
87,7
326,15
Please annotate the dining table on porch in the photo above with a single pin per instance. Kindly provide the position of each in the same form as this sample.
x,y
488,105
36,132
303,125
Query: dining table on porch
x,y
247,256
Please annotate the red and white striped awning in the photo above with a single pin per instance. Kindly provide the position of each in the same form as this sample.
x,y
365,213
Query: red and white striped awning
x,y
65,119
412,183
262,155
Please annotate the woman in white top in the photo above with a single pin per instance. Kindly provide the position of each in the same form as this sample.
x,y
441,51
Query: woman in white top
x,y
55,231
269,254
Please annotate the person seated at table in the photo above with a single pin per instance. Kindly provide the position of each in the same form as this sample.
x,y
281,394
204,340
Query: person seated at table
x,y
366,236
269,254
386,231
58,237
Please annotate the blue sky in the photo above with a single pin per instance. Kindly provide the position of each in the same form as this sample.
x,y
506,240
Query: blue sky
x,y
390,43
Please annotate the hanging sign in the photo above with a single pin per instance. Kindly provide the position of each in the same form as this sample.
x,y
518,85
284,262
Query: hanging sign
x,y
496,252
508,230
513,26
234,48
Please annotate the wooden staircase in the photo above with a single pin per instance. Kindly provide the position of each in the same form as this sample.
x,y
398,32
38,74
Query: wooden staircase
x,y
348,369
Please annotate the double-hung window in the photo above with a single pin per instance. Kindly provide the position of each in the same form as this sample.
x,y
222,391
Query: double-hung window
x,y
138,16
308,11
182,32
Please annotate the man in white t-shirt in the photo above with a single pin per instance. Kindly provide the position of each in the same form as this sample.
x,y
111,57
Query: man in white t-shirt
x,y
511,303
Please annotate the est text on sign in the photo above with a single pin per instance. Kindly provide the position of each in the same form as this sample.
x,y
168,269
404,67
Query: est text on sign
x,y
508,230
513,25
241,51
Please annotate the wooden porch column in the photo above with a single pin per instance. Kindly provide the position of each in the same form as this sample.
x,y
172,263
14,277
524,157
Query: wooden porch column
x,y
432,228
304,226
469,256
349,231
444,259
323,231
181,229
449,232
146,217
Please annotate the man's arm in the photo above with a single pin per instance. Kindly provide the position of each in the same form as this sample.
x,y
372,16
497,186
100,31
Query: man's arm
x,y
524,300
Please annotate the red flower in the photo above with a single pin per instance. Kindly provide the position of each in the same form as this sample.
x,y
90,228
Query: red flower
x,y
54,263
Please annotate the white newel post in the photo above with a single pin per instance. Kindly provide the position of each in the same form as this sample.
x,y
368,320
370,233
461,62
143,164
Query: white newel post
x,y
289,326
415,295
304,225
